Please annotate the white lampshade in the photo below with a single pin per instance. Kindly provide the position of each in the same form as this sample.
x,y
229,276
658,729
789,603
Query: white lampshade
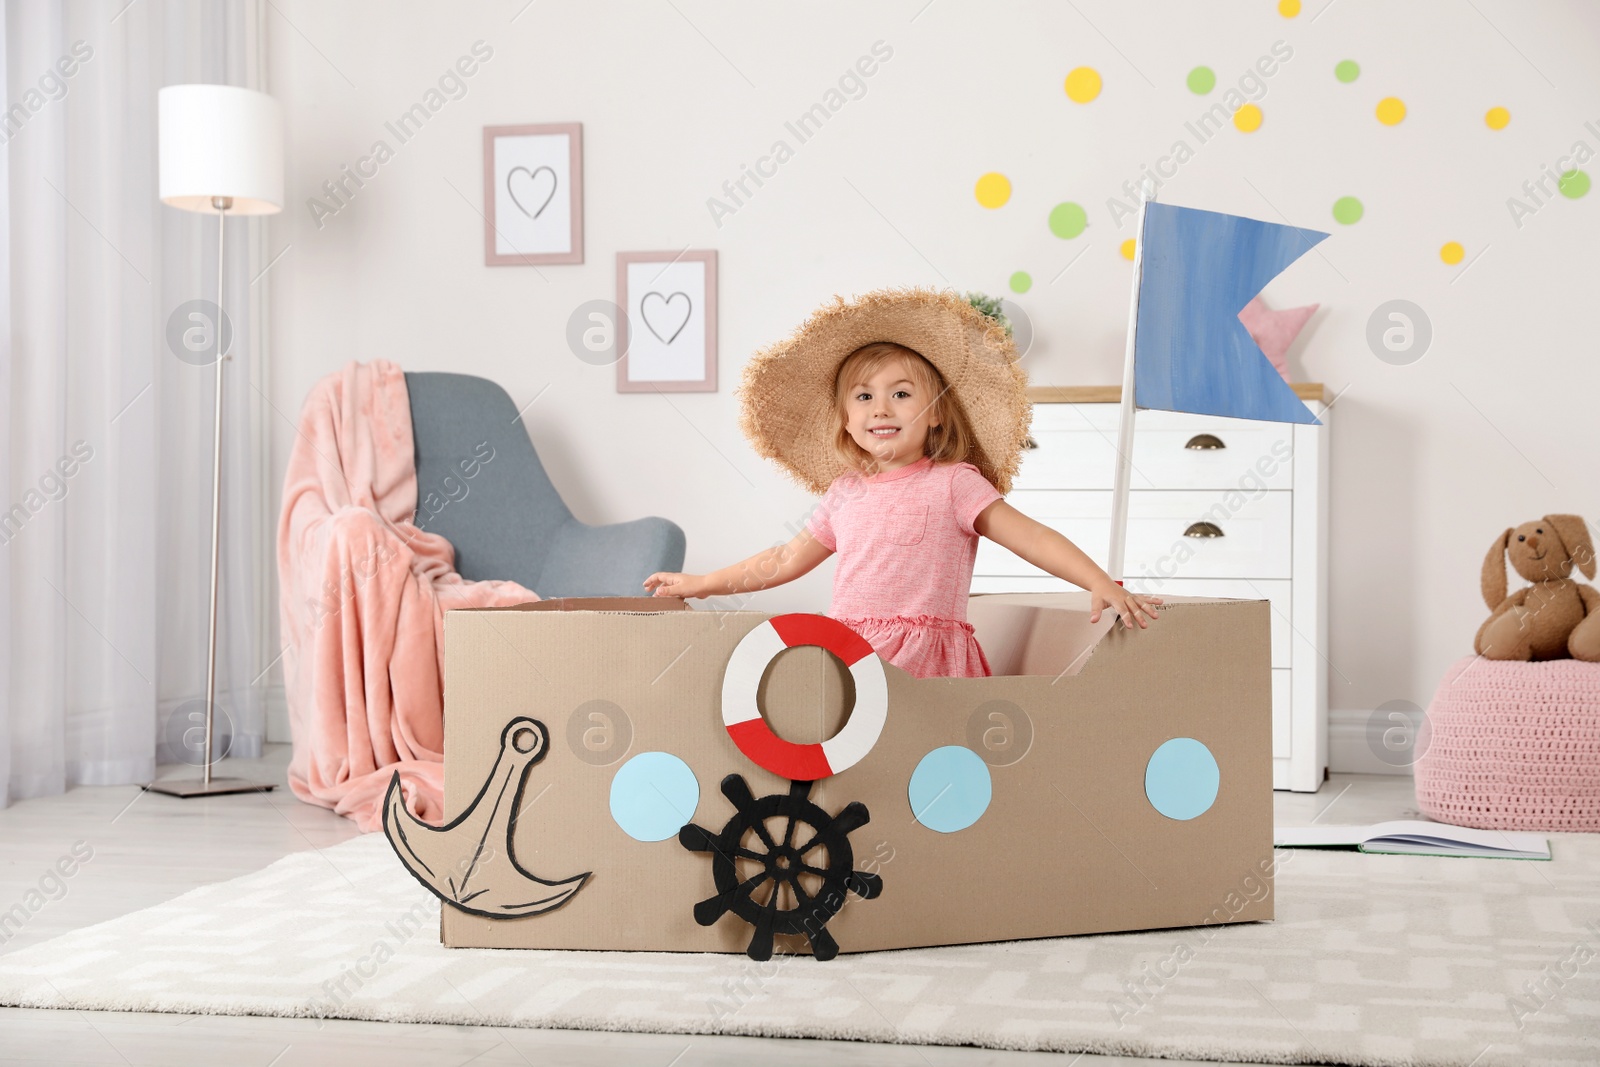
x,y
220,140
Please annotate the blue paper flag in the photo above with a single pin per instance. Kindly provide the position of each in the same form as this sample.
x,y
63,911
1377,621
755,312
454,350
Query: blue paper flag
x,y
1191,352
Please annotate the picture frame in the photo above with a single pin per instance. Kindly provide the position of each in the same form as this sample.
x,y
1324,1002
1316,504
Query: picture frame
x,y
667,332
533,194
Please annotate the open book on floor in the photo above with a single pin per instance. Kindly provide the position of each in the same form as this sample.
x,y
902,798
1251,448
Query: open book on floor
x,y
1416,838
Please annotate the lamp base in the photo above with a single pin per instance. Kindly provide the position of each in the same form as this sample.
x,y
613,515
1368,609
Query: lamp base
x,y
196,787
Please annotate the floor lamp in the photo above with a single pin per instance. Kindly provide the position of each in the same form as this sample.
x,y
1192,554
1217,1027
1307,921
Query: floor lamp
x,y
221,153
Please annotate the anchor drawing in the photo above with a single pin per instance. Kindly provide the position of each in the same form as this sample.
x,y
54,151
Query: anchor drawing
x,y
469,863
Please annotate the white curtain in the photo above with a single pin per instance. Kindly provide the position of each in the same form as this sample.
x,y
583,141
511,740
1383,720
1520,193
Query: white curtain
x,y
105,477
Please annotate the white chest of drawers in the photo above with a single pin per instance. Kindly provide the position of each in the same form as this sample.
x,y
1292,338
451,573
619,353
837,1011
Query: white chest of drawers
x,y
1218,507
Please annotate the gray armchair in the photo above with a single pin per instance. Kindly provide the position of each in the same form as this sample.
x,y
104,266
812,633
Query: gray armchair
x,y
507,521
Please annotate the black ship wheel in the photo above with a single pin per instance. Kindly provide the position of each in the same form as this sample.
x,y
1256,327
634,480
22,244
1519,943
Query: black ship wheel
x,y
823,862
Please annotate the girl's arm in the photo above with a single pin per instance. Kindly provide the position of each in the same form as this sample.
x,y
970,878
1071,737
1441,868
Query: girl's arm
x,y
775,566
1050,551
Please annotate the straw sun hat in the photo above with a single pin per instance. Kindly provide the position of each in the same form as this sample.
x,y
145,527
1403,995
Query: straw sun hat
x,y
787,403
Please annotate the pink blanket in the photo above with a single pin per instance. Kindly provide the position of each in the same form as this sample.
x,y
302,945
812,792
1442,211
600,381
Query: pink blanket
x,y
363,594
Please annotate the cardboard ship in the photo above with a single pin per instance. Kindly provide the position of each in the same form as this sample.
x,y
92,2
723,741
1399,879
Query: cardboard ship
x,y
634,774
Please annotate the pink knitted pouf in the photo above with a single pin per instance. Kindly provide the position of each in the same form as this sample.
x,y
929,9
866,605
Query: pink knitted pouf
x,y
1513,746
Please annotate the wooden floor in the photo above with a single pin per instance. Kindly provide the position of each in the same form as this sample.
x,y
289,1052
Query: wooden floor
x,y
148,848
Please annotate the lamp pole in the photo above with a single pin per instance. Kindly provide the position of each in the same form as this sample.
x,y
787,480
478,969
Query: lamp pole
x,y
222,204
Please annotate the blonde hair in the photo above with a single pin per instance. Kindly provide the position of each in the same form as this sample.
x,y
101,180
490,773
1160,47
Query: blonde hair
x,y
951,441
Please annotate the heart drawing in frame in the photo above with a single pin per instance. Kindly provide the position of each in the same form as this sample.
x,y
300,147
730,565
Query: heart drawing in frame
x,y
664,314
532,188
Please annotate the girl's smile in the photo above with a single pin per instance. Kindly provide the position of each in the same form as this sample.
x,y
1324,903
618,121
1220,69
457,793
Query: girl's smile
x,y
888,417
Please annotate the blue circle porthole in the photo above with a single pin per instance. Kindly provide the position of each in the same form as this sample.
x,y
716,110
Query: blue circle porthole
x,y
950,789
1182,778
653,795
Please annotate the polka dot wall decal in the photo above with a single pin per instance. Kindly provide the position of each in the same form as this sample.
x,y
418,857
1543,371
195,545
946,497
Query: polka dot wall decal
x,y
1347,210
1202,80
1452,252
1067,220
1288,8
1021,281
993,190
1083,85
1347,70
1128,248
1573,184
1391,110
1497,118
1247,119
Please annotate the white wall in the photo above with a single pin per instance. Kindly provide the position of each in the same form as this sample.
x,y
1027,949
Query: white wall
x,y
1493,426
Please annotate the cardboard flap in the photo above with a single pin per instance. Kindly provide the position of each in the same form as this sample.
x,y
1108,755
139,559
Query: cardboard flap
x,y
1036,634
1033,634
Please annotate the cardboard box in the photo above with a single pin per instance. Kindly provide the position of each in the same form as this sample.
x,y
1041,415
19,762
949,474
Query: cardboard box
x,y
1069,843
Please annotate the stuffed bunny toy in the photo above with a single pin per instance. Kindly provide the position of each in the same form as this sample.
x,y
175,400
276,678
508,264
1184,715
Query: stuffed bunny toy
x,y
1553,618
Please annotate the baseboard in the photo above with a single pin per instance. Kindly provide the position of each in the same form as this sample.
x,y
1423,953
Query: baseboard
x,y
1348,749
277,716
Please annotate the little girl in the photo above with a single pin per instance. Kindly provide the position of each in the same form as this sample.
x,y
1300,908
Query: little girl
x,y
905,502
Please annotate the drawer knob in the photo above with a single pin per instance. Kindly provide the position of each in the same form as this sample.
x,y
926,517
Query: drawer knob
x,y
1029,442
1205,442
1203,529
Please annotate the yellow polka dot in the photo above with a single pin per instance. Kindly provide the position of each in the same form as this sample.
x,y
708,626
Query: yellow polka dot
x,y
993,189
1083,85
1247,118
1128,248
1391,110
1452,252
1498,118
1288,8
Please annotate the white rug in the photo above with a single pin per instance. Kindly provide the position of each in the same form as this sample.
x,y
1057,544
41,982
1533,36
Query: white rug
x,y
1373,960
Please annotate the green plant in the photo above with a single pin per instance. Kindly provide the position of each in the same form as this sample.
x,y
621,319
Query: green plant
x,y
990,306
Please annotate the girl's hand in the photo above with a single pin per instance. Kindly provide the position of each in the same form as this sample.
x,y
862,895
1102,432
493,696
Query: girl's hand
x,y
671,583
1129,606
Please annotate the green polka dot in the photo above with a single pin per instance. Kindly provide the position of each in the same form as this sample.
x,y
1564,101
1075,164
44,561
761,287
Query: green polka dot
x,y
1067,220
1347,71
1347,209
1573,184
1021,282
1202,80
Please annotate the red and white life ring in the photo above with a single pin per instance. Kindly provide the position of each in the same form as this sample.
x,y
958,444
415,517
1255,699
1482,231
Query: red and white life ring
x,y
742,716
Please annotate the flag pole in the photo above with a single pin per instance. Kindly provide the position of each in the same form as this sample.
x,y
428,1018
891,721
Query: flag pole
x,y
1119,493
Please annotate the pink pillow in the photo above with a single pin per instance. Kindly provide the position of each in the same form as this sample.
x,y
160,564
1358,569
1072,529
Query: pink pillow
x,y
1275,331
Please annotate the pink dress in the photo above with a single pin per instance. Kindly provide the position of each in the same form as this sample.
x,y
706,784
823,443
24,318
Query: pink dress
x,y
906,544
